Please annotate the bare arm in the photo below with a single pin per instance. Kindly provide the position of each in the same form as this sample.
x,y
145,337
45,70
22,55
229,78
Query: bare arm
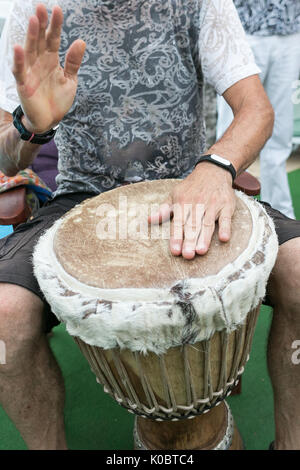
x,y
208,189
46,90
15,154
252,125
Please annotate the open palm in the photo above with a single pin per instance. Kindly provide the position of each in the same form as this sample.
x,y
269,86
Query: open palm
x,y
46,90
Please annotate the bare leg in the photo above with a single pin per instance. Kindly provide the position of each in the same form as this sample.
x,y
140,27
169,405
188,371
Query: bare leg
x,y
31,385
284,290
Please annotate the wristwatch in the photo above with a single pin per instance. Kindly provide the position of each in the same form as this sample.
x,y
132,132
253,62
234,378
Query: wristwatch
x,y
27,135
220,161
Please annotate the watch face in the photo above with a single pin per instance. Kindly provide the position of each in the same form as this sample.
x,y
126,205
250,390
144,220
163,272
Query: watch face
x,y
220,159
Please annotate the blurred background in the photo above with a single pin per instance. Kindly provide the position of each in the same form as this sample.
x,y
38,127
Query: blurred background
x,y
5,6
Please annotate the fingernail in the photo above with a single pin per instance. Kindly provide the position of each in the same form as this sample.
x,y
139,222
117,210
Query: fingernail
x,y
225,235
176,247
201,247
189,254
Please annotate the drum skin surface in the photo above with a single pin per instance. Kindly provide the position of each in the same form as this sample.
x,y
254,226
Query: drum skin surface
x,y
131,263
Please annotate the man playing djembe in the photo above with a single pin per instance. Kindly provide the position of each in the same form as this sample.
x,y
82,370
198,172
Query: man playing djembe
x,y
129,104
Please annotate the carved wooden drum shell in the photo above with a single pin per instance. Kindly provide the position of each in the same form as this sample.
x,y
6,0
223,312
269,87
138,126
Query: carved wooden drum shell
x,y
185,381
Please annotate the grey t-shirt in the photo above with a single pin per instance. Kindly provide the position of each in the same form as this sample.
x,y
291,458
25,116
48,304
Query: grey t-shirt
x,y
138,111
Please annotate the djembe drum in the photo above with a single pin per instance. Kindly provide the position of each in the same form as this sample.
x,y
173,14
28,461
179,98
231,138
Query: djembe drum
x,y
167,337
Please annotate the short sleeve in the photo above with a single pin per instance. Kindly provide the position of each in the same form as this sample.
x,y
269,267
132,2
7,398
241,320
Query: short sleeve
x,y
225,54
14,32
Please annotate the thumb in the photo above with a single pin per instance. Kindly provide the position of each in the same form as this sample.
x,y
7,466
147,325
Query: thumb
x,y
74,58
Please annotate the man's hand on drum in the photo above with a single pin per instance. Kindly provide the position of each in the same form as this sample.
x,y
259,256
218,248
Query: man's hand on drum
x,y
46,90
203,198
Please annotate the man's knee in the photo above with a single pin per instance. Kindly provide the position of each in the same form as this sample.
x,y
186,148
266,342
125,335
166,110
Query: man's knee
x,y
21,325
284,282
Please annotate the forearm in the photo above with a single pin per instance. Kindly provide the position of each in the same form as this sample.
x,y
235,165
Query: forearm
x,y
251,128
15,154
245,138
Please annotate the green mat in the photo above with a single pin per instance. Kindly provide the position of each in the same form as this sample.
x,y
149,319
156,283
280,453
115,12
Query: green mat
x,y
297,120
95,421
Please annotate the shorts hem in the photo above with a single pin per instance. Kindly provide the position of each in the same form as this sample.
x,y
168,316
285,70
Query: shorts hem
x,y
21,283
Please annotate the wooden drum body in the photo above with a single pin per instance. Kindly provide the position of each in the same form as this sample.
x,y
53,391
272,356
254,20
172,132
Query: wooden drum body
x,y
166,337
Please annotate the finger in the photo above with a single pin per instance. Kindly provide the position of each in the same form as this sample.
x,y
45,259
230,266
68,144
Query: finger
x,y
53,32
180,214
225,225
31,41
19,65
163,213
42,14
207,230
74,58
192,229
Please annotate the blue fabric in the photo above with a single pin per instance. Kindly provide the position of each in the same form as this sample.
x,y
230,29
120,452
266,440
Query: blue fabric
x,y
5,230
269,17
42,193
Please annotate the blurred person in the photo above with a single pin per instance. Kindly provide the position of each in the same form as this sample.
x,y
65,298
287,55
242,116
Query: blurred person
x,y
273,32
5,7
210,114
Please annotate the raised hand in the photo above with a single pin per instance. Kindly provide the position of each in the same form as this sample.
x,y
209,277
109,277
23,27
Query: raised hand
x,y
46,90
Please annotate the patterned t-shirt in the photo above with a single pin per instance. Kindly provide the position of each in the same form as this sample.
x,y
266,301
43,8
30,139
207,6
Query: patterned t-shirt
x,y
138,111
269,17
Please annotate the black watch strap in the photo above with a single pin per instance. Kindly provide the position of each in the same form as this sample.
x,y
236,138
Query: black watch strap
x,y
29,136
220,161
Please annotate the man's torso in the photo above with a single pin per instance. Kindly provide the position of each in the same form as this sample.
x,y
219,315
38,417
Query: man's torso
x,y
138,109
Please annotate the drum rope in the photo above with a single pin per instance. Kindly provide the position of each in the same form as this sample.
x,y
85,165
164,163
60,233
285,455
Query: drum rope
x,y
239,338
189,382
120,397
150,396
156,411
92,359
207,370
168,390
251,322
223,372
224,444
135,403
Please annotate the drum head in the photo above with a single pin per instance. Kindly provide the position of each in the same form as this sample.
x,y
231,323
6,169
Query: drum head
x,y
137,255
115,283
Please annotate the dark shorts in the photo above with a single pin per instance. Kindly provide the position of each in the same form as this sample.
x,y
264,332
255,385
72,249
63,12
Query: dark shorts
x,y
16,249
